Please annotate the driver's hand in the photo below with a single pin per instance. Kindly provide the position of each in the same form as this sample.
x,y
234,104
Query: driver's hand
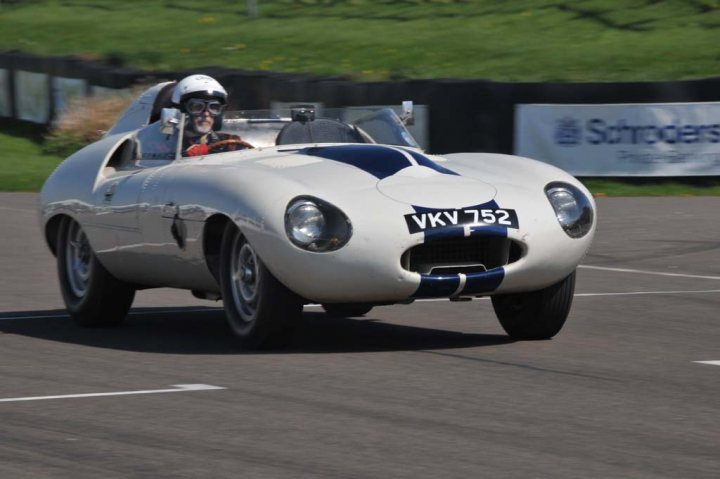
x,y
197,150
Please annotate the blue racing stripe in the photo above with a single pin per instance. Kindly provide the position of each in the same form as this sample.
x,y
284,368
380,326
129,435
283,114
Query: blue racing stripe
x,y
427,162
379,161
459,232
437,286
444,233
477,283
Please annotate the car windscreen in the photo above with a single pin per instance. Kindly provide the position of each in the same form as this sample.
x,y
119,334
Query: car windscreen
x,y
271,127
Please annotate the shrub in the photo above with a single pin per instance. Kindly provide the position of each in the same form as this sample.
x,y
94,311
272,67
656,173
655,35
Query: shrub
x,y
85,120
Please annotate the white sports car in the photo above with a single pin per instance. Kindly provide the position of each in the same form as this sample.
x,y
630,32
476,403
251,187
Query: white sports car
x,y
340,208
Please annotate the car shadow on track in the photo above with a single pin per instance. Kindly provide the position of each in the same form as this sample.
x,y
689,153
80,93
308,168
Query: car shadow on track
x,y
204,331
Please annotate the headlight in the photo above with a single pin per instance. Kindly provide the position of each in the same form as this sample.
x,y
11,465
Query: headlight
x,y
572,208
316,225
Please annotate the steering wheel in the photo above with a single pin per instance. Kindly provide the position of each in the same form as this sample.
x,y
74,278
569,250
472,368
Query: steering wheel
x,y
231,141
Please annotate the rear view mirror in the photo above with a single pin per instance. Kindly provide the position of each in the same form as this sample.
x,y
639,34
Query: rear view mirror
x,y
169,120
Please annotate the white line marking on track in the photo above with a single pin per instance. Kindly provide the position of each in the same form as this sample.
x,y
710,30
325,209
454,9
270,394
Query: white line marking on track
x,y
161,311
589,295
631,293
176,389
713,363
640,271
48,316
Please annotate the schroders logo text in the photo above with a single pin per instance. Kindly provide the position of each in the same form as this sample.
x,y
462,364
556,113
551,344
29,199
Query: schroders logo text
x,y
597,131
622,139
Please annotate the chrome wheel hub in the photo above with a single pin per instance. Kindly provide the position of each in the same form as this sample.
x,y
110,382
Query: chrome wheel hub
x,y
244,279
78,257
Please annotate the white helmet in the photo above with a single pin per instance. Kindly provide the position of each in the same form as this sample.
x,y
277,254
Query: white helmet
x,y
198,86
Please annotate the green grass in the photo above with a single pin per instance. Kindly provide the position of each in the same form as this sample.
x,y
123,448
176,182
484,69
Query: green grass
x,y
24,166
696,186
521,40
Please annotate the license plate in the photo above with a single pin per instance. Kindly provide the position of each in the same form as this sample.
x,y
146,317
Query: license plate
x,y
429,220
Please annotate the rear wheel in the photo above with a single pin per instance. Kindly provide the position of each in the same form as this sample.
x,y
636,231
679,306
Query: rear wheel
x,y
537,314
347,310
260,310
93,297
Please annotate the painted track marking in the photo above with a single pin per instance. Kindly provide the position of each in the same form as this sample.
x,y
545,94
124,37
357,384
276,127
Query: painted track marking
x,y
713,363
634,293
176,389
640,271
133,313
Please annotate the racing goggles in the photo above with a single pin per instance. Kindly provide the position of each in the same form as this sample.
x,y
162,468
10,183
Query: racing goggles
x,y
196,107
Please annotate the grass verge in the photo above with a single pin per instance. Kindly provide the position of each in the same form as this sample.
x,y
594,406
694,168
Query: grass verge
x,y
24,166
522,40
685,186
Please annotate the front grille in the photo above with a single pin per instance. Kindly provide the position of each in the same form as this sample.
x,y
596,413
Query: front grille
x,y
461,255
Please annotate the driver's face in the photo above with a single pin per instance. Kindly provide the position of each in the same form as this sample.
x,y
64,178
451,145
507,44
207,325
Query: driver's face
x,y
203,122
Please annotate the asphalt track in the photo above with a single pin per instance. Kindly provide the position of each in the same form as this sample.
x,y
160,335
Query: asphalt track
x,y
434,389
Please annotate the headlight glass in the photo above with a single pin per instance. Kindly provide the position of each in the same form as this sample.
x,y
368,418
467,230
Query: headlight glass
x,y
316,225
305,222
573,209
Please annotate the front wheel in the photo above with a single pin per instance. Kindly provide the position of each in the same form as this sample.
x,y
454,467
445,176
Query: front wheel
x,y
260,310
537,314
93,297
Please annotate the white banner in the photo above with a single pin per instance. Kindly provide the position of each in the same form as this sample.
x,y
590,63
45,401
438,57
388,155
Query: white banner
x,y
649,139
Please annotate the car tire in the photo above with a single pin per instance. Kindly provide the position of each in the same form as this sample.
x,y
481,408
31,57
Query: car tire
x,y
93,297
537,314
347,310
260,310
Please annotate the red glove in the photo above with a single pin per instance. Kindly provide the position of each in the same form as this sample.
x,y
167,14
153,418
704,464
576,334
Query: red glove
x,y
197,150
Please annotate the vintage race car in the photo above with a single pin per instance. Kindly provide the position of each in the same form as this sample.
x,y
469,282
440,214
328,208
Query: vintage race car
x,y
336,207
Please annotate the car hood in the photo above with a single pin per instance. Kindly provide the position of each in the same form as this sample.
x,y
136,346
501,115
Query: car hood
x,y
403,175
421,186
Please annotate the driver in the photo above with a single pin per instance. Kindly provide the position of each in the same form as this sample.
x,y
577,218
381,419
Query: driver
x,y
203,101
